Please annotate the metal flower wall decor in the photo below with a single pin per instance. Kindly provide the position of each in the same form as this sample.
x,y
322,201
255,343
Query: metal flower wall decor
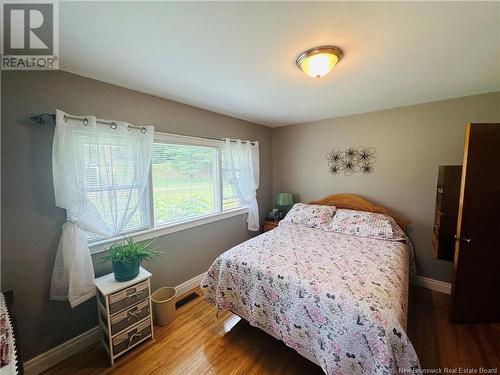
x,y
351,160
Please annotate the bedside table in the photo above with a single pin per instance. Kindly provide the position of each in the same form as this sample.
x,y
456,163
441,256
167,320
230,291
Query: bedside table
x,y
124,312
268,225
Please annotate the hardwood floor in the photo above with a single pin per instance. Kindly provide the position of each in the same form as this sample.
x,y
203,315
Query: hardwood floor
x,y
441,344
195,343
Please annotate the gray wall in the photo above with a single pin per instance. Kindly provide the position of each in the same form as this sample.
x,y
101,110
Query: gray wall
x,y
411,142
31,224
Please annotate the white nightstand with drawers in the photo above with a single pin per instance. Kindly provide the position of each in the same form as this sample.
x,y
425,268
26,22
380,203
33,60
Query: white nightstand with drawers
x,y
124,312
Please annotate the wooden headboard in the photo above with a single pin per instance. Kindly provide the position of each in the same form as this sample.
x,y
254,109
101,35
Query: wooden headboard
x,y
354,202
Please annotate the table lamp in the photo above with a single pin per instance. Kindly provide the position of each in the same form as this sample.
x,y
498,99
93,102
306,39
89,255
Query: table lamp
x,y
284,201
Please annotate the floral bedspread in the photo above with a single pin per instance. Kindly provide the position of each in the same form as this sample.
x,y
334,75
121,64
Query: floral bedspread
x,y
8,354
342,298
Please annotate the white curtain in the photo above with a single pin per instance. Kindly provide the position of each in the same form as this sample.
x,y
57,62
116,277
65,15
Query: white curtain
x,y
100,176
241,159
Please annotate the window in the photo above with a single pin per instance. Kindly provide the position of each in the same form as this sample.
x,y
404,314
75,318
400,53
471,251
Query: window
x,y
184,181
188,181
115,180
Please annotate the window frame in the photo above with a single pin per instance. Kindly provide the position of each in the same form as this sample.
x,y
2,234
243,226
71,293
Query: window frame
x,y
153,230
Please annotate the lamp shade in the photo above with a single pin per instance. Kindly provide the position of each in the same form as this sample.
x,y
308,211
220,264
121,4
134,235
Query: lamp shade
x,y
284,199
319,61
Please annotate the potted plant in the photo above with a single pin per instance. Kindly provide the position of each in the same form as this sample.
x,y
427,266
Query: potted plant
x,y
126,257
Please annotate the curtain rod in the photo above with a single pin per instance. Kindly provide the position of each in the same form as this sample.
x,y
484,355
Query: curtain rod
x,y
41,119
111,124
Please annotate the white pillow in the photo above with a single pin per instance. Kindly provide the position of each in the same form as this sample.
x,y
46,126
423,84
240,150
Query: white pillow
x,y
310,215
365,224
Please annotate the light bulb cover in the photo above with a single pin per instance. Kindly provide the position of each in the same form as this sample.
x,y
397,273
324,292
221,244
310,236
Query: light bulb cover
x,y
319,61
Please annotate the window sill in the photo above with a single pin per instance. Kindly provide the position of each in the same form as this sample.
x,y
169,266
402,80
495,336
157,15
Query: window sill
x,y
100,246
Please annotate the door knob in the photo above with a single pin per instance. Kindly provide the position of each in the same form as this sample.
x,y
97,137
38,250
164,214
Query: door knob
x,y
466,239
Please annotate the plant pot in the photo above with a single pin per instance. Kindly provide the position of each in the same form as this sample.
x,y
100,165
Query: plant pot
x,y
126,270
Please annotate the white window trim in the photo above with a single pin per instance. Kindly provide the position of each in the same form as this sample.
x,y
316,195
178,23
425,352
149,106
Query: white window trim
x,y
187,140
147,234
154,232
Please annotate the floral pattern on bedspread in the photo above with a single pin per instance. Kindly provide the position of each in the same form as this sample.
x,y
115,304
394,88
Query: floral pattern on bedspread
x,y
340,297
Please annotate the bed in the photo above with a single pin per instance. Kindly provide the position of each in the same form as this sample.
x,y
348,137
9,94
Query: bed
x,y
339,300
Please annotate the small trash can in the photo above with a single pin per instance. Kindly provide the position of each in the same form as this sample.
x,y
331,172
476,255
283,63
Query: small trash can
x,y
164,305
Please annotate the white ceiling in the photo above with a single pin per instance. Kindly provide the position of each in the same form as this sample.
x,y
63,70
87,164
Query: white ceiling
x,y
239,58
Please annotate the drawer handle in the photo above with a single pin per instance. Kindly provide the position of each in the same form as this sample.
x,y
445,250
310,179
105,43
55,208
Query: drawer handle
x,y
132,313
132,310
135,294
133,337
131,291
132,333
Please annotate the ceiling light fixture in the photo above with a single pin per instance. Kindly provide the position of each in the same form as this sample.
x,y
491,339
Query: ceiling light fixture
x,y
319,61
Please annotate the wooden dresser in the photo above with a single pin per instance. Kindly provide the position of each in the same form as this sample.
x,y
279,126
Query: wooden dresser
x,y
446,211
124,312
476,268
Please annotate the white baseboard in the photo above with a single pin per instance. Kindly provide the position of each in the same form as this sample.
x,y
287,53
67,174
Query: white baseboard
x,y
55,355
59,353
437,285
189,285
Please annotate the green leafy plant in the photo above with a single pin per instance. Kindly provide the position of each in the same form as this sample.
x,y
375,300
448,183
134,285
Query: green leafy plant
x,y
128,250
